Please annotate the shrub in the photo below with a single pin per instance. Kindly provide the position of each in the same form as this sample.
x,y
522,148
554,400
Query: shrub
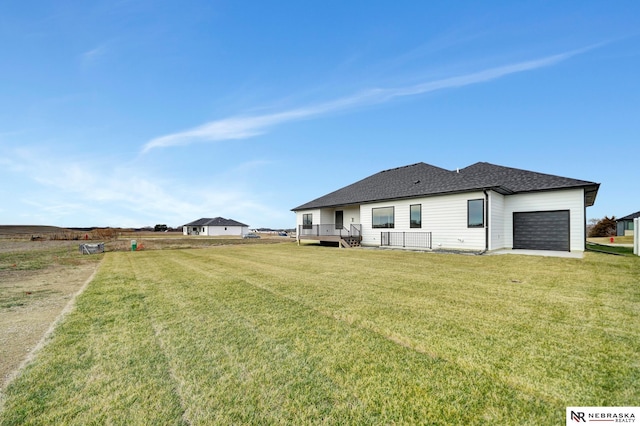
x,y
605,227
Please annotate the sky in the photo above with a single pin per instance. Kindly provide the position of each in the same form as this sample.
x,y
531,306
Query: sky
x,y
133,113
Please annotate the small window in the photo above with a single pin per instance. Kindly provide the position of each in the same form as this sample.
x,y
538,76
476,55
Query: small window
x,y
415,213
307,221
475,213
383,217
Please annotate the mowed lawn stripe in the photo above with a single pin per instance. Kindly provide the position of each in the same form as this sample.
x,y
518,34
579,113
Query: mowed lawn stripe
x,y
267,357
562,329
288,334
102,364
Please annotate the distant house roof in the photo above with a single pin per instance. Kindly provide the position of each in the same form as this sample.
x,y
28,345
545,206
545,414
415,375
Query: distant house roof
x,y
630,217
216,221
423,179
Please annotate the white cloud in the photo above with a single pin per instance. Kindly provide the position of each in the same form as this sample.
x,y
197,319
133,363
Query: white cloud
x,y
243,127
86,193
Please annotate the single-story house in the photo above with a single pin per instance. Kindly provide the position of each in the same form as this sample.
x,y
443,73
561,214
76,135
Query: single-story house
x,y
481,207
216,226
624,225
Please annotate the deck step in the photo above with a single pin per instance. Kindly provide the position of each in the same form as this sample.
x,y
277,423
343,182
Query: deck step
x,y
349,242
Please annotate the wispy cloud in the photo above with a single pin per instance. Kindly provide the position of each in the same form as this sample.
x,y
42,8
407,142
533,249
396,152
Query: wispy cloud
x,y
101,194
95,55
243,127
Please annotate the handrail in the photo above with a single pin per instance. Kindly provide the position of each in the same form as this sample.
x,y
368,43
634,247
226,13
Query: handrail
x,y
328,229
406,239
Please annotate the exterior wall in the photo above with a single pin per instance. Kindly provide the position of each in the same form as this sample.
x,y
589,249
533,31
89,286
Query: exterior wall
x,y
225,230
351,215
315,218
444,216
327,216
496,221
571,199
215,230
636,236
624,227
189,230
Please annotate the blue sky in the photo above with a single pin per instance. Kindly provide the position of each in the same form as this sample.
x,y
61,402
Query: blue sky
x,y
133,113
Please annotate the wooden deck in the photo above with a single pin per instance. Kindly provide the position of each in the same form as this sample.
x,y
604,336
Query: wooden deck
x,y
321,237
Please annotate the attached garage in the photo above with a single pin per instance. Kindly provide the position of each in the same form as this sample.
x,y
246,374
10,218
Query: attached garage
x,y
546,230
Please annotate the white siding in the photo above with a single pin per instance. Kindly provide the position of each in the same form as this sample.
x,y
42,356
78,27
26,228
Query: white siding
x,y
444,216
225,230
351,215
636,236
327,217
572,200
496,221
315,218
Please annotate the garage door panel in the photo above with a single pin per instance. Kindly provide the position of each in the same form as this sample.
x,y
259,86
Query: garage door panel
x,y
541,230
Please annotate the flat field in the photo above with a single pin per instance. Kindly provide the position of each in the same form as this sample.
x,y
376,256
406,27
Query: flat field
x,y
273,334
38,279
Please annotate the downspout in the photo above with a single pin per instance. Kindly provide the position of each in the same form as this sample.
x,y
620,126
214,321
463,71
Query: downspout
x,y
584,203
486,227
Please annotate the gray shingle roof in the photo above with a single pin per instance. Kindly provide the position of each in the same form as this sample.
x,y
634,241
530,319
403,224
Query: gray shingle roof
x,y
630,216
420,179
217,221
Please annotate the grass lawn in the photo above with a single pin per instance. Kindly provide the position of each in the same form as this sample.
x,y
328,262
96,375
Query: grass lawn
x,y
265,334
603,248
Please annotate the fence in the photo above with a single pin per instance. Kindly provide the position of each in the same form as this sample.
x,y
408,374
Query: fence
x,y
328,230
636,236
406,239
92,248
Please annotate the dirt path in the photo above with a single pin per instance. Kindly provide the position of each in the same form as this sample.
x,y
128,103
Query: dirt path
x,y
32,302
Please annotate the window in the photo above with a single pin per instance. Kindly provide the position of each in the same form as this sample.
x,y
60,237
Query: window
x,y
475,213
415,215
307,221
383,217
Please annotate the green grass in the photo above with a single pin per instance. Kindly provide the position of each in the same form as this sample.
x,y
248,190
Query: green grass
x,y
603,248
41,258
627,239
280,334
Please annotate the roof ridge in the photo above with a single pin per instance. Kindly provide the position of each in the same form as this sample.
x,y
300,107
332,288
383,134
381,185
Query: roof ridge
x,y
402,167
422,179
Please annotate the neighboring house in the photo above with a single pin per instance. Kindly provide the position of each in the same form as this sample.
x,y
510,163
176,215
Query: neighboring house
x,y
481,207
624,225
215,226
